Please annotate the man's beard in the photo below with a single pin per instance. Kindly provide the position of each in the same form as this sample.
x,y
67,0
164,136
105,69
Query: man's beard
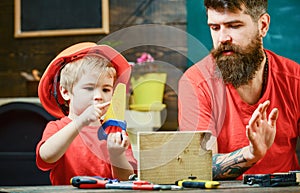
x,y
240,67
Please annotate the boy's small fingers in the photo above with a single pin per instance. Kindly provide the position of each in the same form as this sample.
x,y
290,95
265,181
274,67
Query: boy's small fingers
x,y
104,104
101,105
125,143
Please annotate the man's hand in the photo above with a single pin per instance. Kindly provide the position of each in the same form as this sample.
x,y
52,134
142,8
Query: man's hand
x,y
261,131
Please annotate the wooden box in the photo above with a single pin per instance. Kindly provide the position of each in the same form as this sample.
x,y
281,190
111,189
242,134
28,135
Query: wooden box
x,y
165,157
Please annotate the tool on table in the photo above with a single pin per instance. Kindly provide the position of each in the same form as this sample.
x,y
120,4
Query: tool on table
x,y
115,115
271,180
88,182
193,182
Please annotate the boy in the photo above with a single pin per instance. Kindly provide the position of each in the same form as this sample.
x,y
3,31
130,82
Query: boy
x,y
77,87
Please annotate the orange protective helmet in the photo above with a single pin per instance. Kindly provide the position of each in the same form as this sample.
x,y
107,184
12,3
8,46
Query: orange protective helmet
x,y
48,89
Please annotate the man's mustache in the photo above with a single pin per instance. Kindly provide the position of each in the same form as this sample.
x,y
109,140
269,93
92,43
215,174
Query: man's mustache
x,y
225,47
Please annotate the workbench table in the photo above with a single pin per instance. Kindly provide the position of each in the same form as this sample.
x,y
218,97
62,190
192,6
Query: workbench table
x,y
226,186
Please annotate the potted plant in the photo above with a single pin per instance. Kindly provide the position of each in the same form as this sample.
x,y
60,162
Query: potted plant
x,y
147,84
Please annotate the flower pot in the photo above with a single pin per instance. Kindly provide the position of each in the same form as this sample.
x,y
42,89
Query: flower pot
x,y
148,90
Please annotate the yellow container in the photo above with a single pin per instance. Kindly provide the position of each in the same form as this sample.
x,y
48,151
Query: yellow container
x,y
148,91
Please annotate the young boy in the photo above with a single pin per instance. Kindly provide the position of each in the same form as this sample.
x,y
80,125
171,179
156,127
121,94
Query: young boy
x,y
77,88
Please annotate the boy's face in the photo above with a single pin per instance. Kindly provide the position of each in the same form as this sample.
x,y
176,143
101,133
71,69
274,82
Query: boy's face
x,y
91,88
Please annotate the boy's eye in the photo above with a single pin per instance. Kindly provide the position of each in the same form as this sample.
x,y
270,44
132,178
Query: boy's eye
x,y
89,88
107,90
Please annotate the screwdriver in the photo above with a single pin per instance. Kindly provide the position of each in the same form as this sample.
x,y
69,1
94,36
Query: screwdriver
x,y
192,182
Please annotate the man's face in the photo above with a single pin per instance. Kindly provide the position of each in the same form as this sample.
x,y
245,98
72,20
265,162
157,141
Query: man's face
x,y
237,46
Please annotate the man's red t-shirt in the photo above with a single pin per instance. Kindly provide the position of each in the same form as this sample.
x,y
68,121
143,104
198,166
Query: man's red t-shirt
x,y
205,103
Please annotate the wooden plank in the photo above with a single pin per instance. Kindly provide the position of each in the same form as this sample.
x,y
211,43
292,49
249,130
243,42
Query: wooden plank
x,y
165,157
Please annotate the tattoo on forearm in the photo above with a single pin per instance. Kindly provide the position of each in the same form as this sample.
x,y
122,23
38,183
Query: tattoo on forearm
x,y
229,166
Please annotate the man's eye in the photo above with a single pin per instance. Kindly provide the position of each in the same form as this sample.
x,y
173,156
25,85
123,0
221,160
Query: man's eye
x,y
214,27
235,26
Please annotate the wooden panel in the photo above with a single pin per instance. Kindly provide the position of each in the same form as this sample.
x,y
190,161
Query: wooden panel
x,y
56,18
165,157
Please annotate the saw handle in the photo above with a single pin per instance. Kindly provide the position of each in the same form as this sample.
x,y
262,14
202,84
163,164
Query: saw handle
x,y
102,135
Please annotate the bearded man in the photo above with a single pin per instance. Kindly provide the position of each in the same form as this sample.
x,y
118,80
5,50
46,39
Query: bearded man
x,y
246,97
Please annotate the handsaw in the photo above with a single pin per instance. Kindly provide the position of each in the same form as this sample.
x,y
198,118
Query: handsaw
x,y
115,115
116,110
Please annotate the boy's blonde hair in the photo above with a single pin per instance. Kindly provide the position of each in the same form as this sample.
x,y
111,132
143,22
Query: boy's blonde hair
x,y
72,72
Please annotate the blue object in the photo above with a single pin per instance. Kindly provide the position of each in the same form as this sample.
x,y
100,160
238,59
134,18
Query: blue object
x,y
102,135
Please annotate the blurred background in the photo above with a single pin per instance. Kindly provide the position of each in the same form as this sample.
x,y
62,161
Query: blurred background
x,y
23,58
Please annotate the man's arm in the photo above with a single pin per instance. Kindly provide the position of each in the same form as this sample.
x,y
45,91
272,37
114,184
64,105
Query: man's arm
x,y
230,166
261,134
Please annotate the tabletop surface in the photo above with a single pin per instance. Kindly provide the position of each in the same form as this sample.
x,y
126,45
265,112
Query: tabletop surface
x,y
226,186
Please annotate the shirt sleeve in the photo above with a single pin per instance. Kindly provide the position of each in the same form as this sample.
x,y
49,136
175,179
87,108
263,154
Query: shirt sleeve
x,y
201,101
50,129
193,113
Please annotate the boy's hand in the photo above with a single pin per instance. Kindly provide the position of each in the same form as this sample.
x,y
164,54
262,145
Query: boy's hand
x,y
117,143
93,113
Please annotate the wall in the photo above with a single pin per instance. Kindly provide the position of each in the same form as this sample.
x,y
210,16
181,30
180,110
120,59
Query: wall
x,y
282,38
26,54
